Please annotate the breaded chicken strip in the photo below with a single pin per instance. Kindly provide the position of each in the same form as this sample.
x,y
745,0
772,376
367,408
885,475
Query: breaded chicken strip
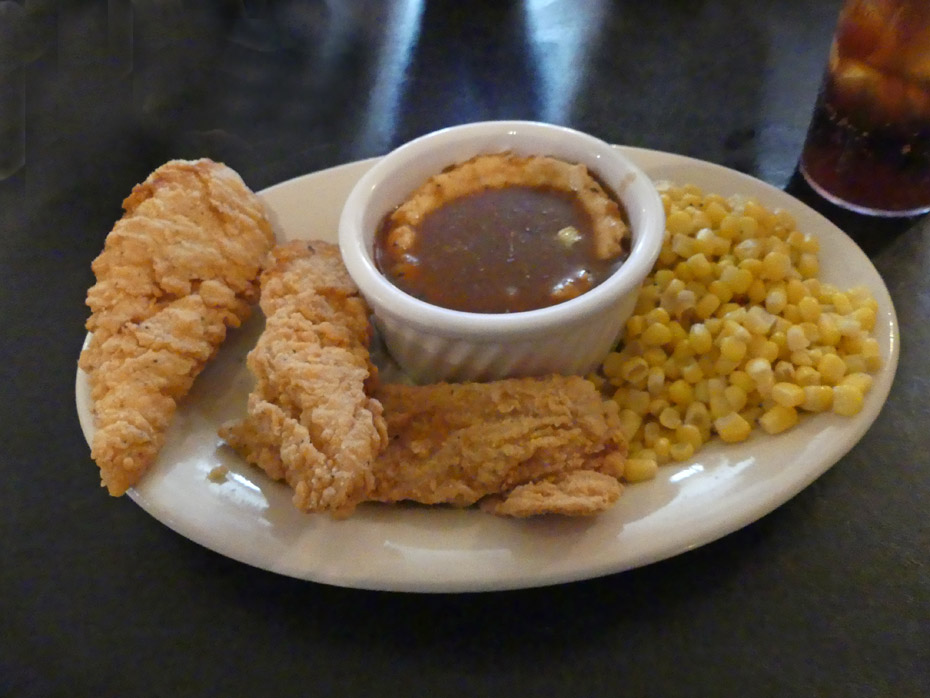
x,y
577,493
457,443
310,419
176,271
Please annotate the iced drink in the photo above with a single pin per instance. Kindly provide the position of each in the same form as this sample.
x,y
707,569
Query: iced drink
x,y
868,147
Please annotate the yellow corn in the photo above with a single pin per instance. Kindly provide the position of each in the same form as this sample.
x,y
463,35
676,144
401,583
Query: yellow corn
x,y
732,329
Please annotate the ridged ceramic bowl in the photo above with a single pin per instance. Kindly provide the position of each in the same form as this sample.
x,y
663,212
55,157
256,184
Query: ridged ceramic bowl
x,y
431,343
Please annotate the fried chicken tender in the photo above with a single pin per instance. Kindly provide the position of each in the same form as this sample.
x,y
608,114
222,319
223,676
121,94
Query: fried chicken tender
x,y
457,443
310,419
318,420
577,493
176,271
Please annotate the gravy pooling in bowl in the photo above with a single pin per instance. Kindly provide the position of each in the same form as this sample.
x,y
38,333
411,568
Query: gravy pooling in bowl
x,y
503,234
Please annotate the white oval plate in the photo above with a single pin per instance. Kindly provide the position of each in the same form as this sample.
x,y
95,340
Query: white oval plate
x,y
250,518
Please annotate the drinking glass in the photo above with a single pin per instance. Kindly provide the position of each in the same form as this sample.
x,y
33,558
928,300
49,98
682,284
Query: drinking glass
x,y
868,145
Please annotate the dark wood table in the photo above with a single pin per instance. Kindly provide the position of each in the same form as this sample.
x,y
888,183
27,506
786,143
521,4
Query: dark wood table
x,y
829,595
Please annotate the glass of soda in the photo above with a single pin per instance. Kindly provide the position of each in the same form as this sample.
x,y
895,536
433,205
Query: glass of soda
x,y
868,145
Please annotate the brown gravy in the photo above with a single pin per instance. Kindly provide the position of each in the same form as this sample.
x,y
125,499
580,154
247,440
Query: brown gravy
x,y
498,250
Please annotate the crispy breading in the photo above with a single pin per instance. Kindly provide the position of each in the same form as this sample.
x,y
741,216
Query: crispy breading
x,y
576,493
457,443
176,271
310,420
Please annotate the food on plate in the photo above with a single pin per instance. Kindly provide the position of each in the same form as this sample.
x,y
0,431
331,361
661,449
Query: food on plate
x,y
733,331
318,419
176,271
517,438
311,420
503,233
575,493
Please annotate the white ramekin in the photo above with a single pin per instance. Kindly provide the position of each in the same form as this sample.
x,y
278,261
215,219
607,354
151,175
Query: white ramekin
x,y
431,343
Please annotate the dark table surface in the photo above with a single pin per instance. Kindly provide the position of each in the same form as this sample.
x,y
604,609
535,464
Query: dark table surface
x,y
829,595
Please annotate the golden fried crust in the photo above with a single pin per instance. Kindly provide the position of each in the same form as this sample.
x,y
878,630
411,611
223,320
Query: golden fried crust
x,y
578,493
310,420
457,443
176,271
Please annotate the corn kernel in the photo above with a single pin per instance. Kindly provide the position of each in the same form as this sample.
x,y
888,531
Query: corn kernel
x,y
716,210
775,266
831,368
817,398
732,349
638,401
784,372
865,317
706,306
672,369
732,428
680,392
808,264
682,353
656,335
847,400
801,358
639,469
697,415
720,289
735,396
751,264
841,303
757,368
635,326
795,290
662,448
757,291
651,432
796,338
719,406
806,375
699,266
655,380
679,223
743,380
748,226
700,338
658,316
809,308
691,434
633,369
612,365
785,219
670,418
729,226
788,394
776,300
724,366
630,422
855,363
863,381
758,320
682,451
778,419
692,373
738,280
657,405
